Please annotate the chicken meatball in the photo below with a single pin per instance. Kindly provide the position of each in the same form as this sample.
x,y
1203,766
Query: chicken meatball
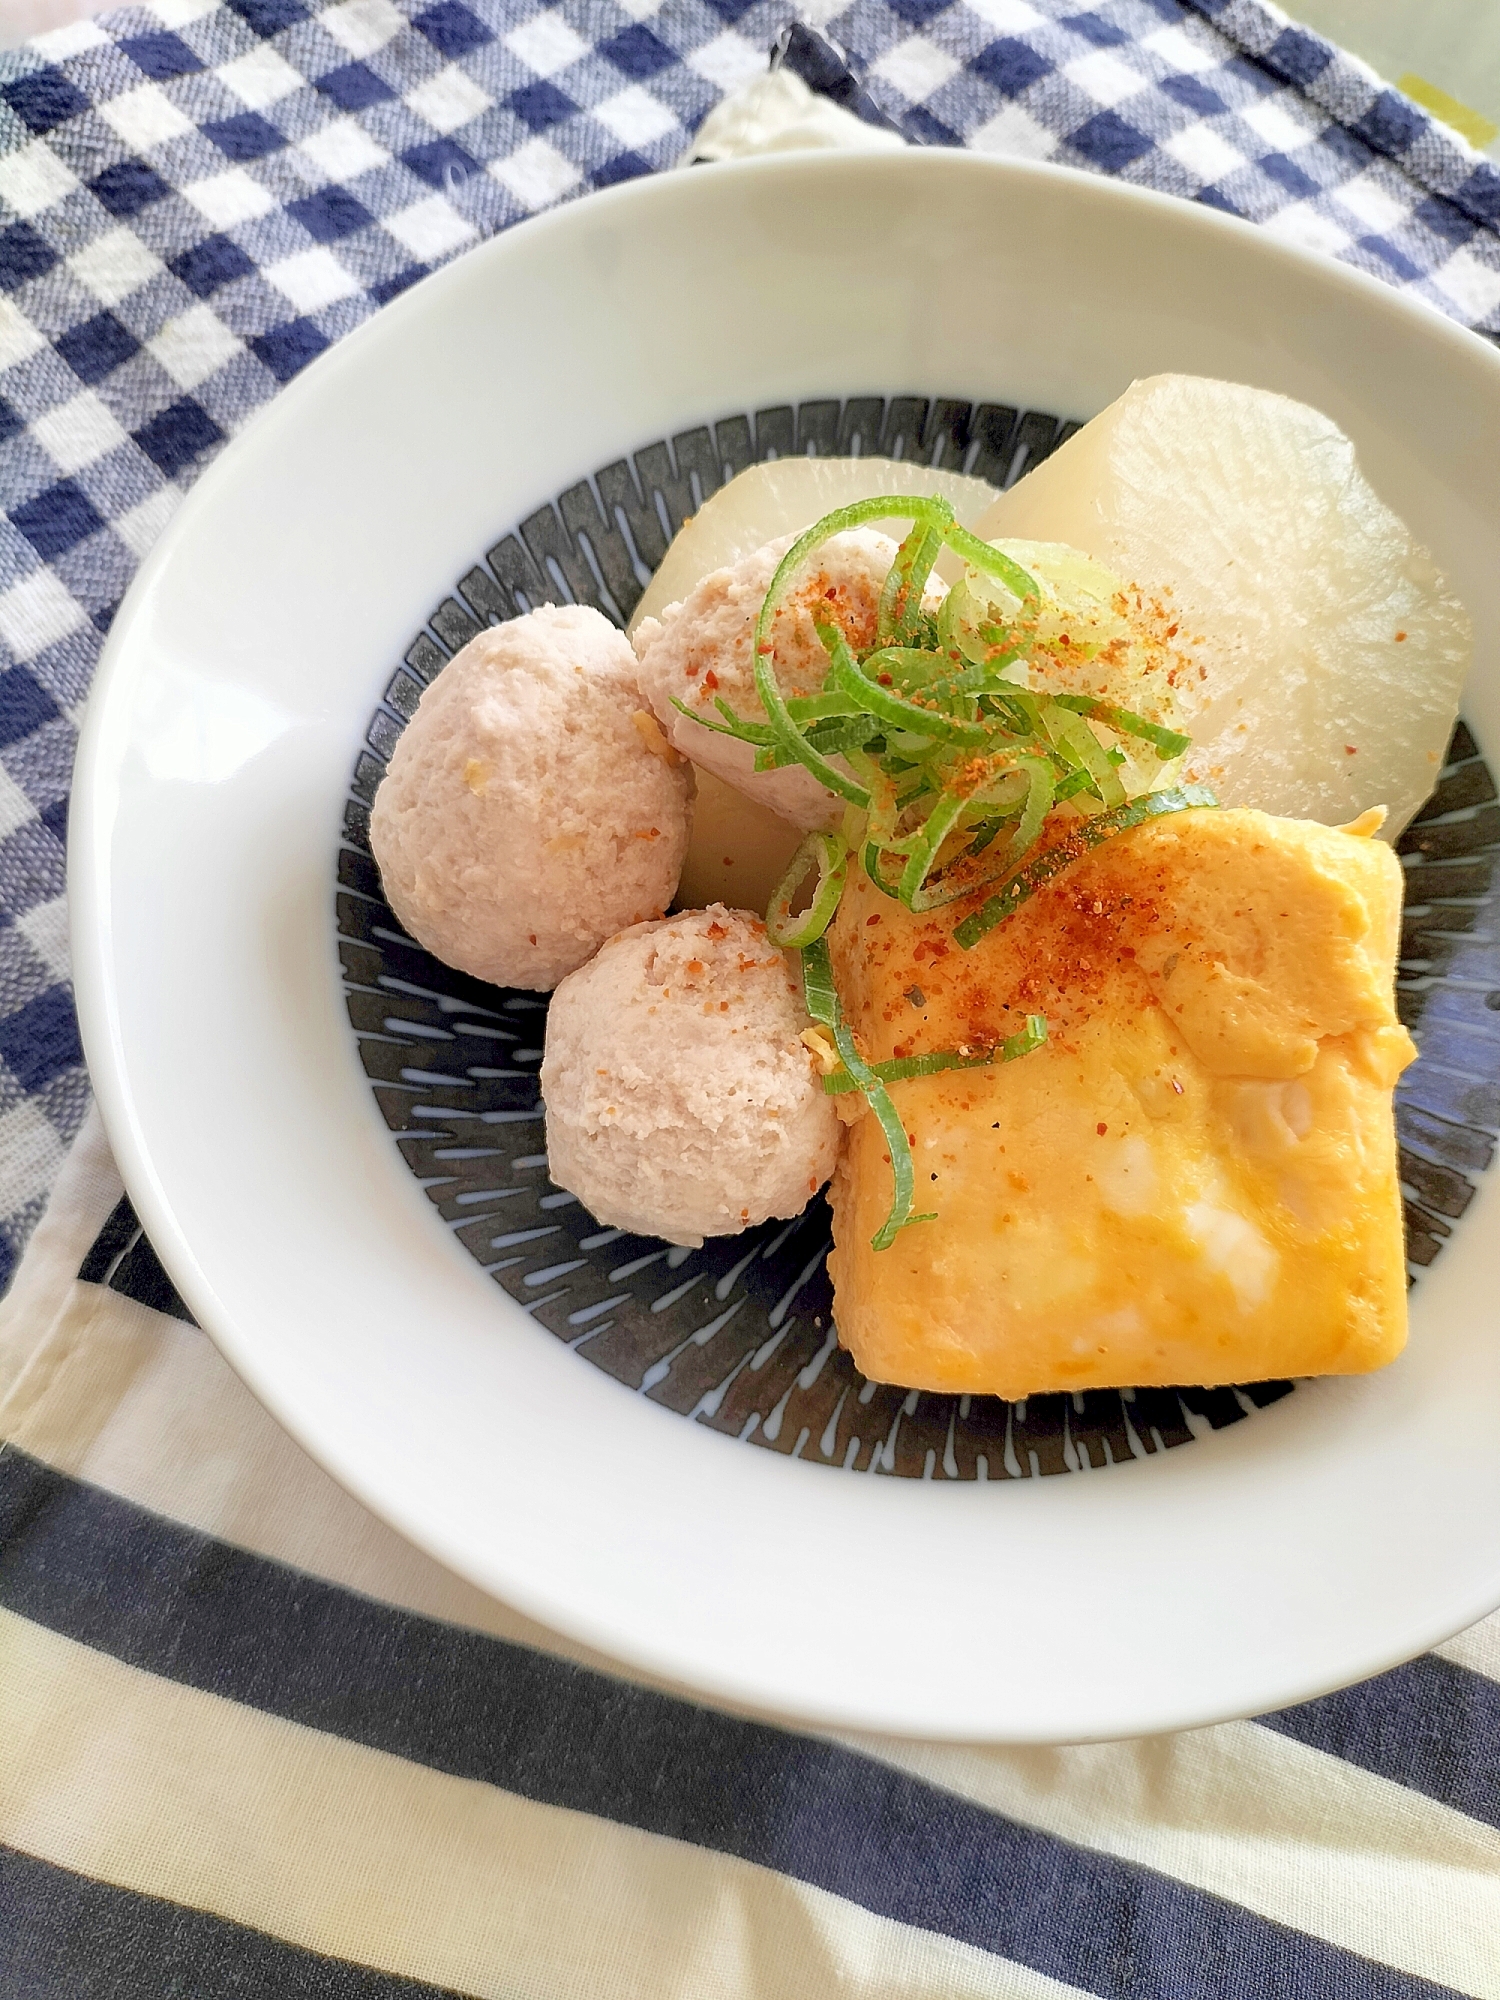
x,y
681,1100
702,649
532,807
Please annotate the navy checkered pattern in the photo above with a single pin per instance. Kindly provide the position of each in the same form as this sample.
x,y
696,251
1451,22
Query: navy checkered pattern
x,y
198,198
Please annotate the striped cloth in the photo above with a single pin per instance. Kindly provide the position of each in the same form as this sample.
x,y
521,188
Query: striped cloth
x,y
253,1744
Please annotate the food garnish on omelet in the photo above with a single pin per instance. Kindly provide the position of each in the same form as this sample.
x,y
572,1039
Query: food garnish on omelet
x,y
1194,1179
1101,991
1117,1062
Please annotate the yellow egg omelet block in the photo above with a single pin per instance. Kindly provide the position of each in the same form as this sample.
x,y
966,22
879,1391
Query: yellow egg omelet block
x,y
1194,1181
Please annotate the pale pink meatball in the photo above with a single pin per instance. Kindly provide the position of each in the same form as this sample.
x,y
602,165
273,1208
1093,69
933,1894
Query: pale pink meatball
x,y
702,648
532,808
681,1100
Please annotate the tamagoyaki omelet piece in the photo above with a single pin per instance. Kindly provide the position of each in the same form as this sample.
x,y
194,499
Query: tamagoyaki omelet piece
x,y
1194,1180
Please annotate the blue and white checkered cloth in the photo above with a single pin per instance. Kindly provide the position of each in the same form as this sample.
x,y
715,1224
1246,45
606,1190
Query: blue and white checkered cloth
x,y
250,1742
198,198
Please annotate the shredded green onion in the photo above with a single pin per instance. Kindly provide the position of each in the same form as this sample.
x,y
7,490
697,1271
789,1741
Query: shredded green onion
x,y
928,512
829,854
900,614
1166,743
854,681
744,732
952,753
1030,1037
822,1001
936,828
1088,833
990,561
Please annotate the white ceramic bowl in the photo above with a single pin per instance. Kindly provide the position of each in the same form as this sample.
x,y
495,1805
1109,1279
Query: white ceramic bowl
x,y
1341,1530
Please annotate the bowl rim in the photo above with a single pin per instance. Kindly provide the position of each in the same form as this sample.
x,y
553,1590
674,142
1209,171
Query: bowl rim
x,y
94,787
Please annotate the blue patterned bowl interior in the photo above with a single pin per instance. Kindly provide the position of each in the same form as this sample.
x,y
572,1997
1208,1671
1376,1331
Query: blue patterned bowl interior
x,y
739,1335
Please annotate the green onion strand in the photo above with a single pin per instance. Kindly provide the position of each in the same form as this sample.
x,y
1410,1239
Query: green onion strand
x,y
1083,750
1088,834
743,732
1032,1036
872,869
821,707
933,512
1166,743
822,1000
829,854
850,678
952,754
899,613
939,823
993,562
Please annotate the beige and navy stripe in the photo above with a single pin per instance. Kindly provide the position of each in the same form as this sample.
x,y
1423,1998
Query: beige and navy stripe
x,y
254,1744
